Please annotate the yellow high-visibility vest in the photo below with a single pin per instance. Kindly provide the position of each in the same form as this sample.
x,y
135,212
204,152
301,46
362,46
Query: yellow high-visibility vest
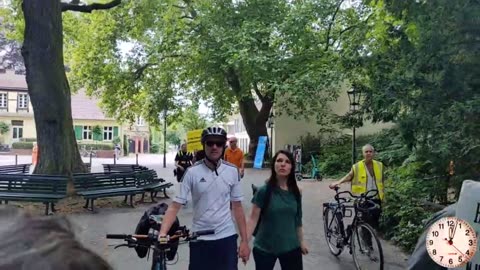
x,y
360,178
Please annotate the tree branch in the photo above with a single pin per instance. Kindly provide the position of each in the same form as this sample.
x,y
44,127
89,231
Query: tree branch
x,y
331,24
257,92
138,73
89,8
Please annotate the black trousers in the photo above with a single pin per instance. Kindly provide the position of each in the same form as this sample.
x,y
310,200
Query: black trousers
x,y
291,260
373,219
218,254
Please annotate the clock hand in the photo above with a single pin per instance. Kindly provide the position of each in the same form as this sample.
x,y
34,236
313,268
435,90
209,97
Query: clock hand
x,y
455,230
463,255
450,232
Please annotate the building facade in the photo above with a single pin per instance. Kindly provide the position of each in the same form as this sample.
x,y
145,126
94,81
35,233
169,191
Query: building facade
x,y
16,112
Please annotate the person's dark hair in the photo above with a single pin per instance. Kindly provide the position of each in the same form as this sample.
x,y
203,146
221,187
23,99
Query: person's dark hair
x,y
43,243
291,182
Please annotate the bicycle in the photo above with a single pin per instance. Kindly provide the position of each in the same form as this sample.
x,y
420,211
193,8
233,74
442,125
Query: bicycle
x,y
150,241
356,233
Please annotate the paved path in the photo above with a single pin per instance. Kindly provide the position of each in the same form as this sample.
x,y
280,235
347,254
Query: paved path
x,y
91,228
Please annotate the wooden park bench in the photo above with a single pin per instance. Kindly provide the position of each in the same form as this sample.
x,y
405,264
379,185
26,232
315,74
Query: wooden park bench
x,y
15,169
149,181
92,186
33,188
123,168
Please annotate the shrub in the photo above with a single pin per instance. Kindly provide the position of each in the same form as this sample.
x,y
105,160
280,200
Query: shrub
x,y
22,145
404,217
98,146
28,139
154,148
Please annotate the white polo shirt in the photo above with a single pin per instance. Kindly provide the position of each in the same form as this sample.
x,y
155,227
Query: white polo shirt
x,y
211,196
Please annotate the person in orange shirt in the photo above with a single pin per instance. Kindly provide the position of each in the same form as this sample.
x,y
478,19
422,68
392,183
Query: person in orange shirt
x,y
234,155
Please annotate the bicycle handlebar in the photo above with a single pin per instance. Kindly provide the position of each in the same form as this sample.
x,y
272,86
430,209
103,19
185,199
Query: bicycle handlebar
x,y
365,195
117,236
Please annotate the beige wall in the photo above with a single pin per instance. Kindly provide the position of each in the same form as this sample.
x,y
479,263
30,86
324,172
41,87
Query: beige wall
x,y
288,130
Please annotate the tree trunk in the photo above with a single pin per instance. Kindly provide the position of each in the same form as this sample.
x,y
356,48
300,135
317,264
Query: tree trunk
x,y
254,120
49,90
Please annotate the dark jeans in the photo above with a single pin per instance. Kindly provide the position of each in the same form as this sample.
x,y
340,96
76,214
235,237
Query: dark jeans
x,y
218,254
372,219
180,174
291,260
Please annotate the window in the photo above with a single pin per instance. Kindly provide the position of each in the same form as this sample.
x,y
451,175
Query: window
x,y
87,132
107,133
22,101
140,121
3,100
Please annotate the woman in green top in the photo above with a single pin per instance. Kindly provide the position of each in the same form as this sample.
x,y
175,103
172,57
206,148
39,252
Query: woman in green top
x,y
277,211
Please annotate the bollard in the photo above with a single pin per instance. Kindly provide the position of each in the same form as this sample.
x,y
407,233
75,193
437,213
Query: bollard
x,y
16,159
114,158
90,159
137,159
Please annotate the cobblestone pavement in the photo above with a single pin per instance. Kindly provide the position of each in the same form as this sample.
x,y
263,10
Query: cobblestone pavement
x,y
91,228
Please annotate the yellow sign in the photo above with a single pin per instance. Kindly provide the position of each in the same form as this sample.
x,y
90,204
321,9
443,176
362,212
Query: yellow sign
x,y
194,141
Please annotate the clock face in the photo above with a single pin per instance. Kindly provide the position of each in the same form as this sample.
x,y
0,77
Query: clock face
x,y
451,242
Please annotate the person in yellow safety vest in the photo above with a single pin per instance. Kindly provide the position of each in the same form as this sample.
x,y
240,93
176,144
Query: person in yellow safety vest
x,y
365,175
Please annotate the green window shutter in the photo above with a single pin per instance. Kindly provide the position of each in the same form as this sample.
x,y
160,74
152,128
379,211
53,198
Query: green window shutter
x,y
115,132
78,132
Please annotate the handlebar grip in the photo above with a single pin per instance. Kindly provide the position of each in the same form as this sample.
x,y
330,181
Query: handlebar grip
x,y
205,232
116,236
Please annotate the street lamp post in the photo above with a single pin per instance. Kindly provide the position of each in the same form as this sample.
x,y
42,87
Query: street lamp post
x,y
164,116
271,123
354,100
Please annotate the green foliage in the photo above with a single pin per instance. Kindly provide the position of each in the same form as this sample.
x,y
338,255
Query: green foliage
x,y
403,216
116,140
98,146
28,139
423,77
22,145
4,128
154,148
97,133
173,137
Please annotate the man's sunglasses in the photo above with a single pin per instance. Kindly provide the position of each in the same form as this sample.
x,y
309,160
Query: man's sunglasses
x,y
218,144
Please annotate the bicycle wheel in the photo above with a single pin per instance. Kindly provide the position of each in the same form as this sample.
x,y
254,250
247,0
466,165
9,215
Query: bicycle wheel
x,y
158,261
333,232
366,248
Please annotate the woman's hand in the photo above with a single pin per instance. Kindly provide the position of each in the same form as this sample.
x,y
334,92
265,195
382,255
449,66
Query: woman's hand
x,y
304,248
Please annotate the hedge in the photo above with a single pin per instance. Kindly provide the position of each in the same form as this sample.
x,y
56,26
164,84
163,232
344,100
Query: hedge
x,y
98,146
22,145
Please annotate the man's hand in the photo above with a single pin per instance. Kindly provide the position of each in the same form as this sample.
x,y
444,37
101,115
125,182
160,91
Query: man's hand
x,y
163,239
334,185
244,251
242,172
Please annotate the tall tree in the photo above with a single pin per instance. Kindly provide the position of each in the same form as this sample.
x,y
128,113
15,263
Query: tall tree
x,y
418,64
48,87
245,55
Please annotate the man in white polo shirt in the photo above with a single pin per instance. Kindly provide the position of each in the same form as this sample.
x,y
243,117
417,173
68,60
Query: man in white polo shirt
x,y
213,184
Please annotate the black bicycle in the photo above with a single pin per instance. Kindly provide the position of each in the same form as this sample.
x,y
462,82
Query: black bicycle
x,y
160,251
359,236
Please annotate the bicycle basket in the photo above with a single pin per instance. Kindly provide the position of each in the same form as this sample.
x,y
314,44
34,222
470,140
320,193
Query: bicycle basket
x,y
145,224
367,206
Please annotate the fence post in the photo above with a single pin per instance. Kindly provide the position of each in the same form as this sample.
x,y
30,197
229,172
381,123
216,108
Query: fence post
x,y
137,158
114,158
16,159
